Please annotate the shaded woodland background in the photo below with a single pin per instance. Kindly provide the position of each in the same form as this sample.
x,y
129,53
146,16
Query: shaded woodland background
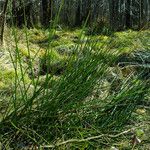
x,y
112,14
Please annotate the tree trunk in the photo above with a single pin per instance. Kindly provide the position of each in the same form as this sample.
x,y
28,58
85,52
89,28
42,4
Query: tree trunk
x,y
2,22
21,13
46,16
113,13
78,21
128,16
141,14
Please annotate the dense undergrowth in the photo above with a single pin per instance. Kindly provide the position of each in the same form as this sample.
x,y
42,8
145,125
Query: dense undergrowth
x,y
91,91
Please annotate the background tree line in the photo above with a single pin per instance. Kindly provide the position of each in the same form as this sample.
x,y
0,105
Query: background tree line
x,y
114,14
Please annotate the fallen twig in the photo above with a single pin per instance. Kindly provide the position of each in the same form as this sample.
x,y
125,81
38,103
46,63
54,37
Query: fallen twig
x,y
87,139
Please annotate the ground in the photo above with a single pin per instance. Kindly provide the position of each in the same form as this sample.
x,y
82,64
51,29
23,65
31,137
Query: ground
x,y
36,56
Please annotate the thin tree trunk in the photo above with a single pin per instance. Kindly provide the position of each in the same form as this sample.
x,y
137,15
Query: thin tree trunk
x,y
128,16
141,15
112,14
46,8
2,22
78,21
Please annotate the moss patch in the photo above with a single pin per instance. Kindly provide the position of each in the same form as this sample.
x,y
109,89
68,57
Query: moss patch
x,y
52,62
7,79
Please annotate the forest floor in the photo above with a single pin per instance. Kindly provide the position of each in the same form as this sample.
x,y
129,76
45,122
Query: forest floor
x,y
34,66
